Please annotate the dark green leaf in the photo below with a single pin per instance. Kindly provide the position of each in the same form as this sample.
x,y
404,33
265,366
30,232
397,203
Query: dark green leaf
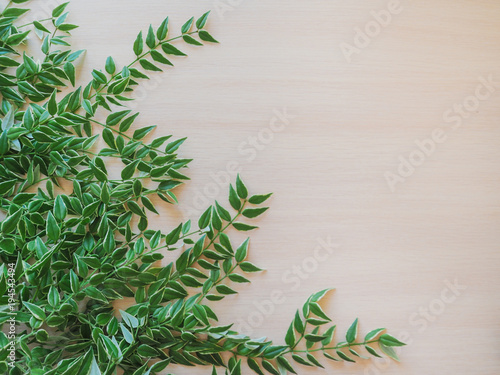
x,y
201,22
190,40
110,65
169,49
53,230
254,212
146,64
205,35
162,31
35,310
138,44
249,267
389,340
352,332
187,26
243,227
150,38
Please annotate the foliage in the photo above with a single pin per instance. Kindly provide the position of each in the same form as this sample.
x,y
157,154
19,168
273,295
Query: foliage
x,y
75,238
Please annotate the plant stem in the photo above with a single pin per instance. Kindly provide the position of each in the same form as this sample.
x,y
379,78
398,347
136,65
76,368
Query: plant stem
x,y
31,23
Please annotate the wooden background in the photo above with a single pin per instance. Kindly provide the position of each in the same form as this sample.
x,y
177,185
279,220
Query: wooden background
x,y
347,125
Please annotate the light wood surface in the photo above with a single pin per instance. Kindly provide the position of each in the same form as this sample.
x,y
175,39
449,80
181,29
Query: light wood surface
x,y
397,251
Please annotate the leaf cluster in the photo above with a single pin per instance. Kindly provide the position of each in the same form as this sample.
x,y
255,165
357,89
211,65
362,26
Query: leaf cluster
x,y
74,237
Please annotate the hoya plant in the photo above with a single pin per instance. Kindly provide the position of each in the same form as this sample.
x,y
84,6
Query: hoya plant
x,y
74,238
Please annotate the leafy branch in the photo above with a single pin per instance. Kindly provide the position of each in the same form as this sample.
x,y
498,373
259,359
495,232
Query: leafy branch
x,y
74,237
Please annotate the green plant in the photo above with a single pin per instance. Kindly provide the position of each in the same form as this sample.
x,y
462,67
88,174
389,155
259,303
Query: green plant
x,y
74,239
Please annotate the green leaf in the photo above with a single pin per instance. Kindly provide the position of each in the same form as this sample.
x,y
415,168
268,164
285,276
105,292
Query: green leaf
x,y
150,38
254,366
233,198
59,9
352,332
127,335
223,213
389,351
11,221
30,64
67,27
52,104
243,227
74,282
141,133
146,64
109,243
190,40
283,362
149,205
331,357
138,44
372,334
96,294
314,338
269,367
87,106
187,26
162,31
8,245
159,366
298,324
224,289
100,77
169,49
69,69
241,189
355,353
147,351
254,212
35,310
109,138
94,369
13,12
344,356
389,340
112,348
53,230
200,313
129,319
258,199
60,210
328,336
40,27
201,22
205,36
110,65
18,38
115,118
249,267
319,295
313,360
8,62
127,123
297,358
318,311
157,56
290,336
372,351
242,251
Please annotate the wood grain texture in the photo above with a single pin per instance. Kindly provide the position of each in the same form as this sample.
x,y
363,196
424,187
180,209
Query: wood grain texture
x,y
352,121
